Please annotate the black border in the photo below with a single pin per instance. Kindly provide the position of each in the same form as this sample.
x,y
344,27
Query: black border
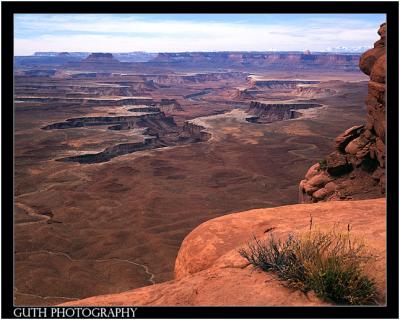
x,y
391,9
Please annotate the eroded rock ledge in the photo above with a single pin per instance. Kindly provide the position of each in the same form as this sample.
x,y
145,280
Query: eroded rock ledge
x,y
159,131
210,272
267,112
356,169
281,84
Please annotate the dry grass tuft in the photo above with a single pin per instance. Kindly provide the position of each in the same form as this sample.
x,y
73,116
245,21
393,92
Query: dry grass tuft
x,y
329,263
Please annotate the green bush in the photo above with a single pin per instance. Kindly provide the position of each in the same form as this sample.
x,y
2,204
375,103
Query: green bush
x,y
329,263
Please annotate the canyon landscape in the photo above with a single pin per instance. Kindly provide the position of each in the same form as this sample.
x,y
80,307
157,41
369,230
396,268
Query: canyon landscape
x,y
138,176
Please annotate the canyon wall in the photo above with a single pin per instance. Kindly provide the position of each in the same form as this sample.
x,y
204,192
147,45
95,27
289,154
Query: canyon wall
x,y
101,57
261,60
62,101
280,84
159,131
356,169
264,112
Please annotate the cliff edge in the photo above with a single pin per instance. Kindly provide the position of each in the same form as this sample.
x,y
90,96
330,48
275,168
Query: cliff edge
x,y
210,272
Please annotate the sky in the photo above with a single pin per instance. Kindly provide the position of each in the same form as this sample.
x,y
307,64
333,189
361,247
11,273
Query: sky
x,y
194,32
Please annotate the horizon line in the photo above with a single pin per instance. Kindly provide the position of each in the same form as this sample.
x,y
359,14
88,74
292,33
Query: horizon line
x,y
196,51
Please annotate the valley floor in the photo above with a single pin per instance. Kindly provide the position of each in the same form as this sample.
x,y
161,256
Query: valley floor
x,y
113,226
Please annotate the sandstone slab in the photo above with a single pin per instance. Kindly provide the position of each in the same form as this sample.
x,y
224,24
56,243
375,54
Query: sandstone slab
x,y
210,272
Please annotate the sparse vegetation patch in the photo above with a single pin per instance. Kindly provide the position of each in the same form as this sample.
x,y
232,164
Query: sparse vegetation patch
x,y
323,164
329,263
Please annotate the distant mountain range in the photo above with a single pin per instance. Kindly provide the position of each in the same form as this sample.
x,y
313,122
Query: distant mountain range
x,y
137,56
229,60
348,49
141,56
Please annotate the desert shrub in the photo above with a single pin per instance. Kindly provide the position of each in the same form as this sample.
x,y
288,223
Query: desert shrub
x,y
323,164
329,263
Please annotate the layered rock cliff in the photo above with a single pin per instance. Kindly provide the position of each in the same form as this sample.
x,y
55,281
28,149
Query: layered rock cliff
x,y
101,57
259,60
267,112
280,84
356,169
158,129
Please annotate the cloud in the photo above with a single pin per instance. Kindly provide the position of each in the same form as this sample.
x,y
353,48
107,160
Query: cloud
x,y
94,33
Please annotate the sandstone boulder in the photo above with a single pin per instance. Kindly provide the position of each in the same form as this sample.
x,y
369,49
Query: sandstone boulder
x,y
337,164
313,171
364,151
305,191
331,186
320,194
382,32
356,145
369,57
344,138
309,189
320,179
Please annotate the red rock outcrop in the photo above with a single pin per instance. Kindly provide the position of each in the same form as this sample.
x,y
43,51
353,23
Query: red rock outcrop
x,y
210,272
356,170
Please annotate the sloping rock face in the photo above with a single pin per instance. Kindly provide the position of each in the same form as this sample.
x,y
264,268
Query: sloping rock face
x,y
210,272
356,169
